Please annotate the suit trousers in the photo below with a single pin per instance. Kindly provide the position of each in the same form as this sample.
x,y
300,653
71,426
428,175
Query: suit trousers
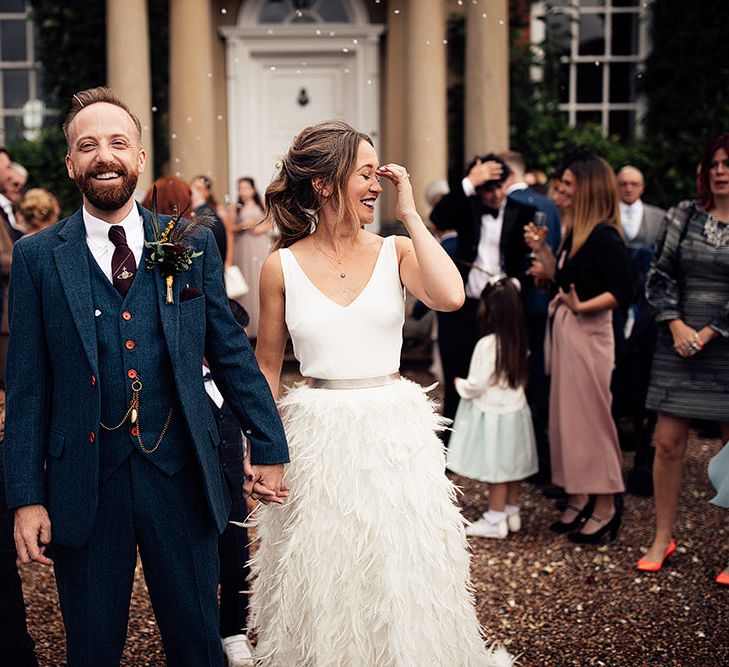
x,y
16,645
457,337
168,519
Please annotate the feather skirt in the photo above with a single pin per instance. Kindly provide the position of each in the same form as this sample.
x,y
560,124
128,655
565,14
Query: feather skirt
x,y
366,564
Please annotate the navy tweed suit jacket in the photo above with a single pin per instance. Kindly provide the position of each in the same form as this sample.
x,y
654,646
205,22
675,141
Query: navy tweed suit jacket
x,y
53,399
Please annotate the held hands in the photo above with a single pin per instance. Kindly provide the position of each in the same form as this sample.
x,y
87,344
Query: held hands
x,y
32,534
399,177
481,172
570,299
264,482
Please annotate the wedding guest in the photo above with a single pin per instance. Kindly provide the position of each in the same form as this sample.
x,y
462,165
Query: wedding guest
x,y
8,236
16,645
394,585
635,332
688,288
493,438
252,236
233,544
204,203
490,241
592,275
535,302
37,210
16,183
173,196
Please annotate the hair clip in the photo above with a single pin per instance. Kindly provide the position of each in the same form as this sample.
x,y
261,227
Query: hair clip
x,y
78,99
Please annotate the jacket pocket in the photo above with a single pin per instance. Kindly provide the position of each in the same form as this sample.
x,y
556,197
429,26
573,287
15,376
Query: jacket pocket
x,y
56,441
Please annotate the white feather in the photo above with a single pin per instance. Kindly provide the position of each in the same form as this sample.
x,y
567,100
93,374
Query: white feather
x,y
366,564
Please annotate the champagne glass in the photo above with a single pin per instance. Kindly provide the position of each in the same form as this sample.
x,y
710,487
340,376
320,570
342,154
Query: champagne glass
x,y
540,222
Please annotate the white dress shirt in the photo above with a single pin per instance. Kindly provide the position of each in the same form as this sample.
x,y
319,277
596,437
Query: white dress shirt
x,y
7,207
488,255
97,238
212,389
631,215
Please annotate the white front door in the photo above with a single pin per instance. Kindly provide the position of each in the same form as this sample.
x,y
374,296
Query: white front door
x,y
293,92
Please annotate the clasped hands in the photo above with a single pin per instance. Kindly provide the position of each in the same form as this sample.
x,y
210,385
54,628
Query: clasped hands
x,y
686,340
264,482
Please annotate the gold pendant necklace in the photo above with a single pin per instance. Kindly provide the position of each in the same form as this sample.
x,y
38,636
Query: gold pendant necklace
x,y
334,263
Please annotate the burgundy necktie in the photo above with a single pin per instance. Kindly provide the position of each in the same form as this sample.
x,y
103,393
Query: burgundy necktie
x,y
123,265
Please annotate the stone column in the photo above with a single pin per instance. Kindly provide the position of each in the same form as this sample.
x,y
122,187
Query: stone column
x,y
192,97
425,98
128,70
393,127
487,77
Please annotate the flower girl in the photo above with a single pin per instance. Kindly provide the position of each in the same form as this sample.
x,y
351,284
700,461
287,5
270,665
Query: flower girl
x,y
493,436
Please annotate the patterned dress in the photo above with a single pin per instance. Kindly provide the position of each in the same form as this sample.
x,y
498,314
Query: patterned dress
x,y
689,280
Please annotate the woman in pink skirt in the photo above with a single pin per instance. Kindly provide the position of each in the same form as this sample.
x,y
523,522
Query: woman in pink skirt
x,y
592,275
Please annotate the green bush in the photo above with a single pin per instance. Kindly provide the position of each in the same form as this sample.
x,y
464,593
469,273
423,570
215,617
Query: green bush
x,y
45,162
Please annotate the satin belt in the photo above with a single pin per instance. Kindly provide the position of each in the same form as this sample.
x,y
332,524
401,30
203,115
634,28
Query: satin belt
x,y
356,383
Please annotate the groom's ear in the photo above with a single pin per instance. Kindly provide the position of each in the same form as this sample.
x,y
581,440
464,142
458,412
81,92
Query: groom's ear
x,y
69,167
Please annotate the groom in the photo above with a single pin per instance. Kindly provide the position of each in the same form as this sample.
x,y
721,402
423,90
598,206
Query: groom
x,y
110,444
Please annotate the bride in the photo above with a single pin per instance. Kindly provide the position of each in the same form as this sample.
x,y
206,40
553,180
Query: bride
x,y
366,564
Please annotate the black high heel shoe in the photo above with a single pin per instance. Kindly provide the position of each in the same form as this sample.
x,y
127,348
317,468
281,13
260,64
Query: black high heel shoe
x,y
611,526
582,515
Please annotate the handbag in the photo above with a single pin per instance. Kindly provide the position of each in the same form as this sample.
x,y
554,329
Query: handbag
x,y
235,284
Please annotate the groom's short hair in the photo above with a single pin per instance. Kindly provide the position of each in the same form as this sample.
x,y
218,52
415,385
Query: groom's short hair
x,y
85,98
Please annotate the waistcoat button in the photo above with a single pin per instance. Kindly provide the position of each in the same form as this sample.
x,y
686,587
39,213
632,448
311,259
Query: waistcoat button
x,y
131,374
92,437
129,345
126,315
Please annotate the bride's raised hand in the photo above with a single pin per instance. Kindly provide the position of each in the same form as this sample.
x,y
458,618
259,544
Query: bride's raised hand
x,y
399,177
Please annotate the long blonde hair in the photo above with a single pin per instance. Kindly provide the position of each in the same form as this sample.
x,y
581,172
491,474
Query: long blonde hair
x,y
596,199
327,151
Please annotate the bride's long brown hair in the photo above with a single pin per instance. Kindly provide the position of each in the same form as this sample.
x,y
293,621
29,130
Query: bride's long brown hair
x,y
326,151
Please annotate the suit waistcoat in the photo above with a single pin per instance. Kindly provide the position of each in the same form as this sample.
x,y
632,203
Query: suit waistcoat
x,y
130,341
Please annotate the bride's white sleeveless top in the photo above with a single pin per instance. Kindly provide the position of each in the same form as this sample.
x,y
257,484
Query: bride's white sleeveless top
x,y
360,340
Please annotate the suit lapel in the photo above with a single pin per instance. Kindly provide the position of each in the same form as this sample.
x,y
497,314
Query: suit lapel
x,y
169,313
72,261
510,213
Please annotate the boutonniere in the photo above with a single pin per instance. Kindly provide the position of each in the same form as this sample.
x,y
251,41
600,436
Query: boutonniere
x,y
171,253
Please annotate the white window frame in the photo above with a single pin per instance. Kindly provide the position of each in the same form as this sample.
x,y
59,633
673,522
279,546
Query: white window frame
x,y
29,64
604,107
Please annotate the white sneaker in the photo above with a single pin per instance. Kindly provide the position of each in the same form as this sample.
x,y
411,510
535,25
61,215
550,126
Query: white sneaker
x,y
514,522
484,528
238,651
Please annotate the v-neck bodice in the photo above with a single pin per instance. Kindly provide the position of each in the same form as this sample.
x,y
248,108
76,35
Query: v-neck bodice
x,y
361,339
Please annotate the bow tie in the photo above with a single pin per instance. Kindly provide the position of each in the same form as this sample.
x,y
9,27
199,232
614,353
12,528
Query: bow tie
x,y
207,377
487,210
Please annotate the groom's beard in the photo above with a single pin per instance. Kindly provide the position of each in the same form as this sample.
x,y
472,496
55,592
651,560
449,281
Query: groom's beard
x,y
108,196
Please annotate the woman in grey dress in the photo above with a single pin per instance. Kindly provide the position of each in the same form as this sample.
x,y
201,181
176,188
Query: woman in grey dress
x,y
251,246
688,287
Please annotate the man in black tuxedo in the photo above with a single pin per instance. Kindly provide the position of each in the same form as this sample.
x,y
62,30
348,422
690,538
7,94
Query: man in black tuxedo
x,y
490,242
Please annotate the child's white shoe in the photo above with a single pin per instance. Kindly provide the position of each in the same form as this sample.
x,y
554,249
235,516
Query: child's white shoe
x,y
513,518
491,525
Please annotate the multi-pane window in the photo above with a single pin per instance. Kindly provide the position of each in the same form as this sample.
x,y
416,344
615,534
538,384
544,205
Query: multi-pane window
x,y
22,113
304,11
601,45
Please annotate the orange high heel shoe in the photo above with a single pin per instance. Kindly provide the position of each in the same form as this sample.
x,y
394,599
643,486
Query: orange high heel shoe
x,y
722,579
651,566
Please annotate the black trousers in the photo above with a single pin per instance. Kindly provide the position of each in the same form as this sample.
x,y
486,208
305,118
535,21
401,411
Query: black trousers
x,y
16,645
457,337
233,544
